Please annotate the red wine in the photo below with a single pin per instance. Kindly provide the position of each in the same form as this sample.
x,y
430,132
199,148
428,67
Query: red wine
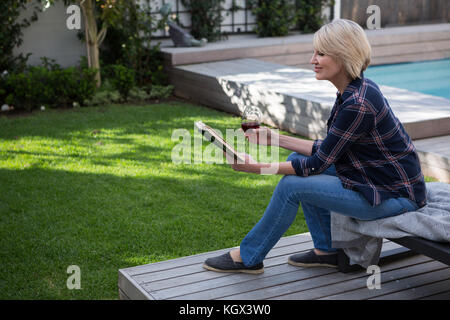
x,y
250,125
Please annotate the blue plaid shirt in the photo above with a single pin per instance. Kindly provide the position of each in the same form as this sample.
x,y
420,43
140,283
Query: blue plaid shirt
x,y
369,147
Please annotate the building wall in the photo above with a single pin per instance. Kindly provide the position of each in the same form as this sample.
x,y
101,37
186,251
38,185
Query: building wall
x,y
398,12
49,37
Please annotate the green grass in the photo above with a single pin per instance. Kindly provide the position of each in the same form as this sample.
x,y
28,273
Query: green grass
x,y
96,187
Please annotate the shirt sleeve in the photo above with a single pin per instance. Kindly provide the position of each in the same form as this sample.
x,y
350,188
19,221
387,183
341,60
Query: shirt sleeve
x,y
316,146
351,123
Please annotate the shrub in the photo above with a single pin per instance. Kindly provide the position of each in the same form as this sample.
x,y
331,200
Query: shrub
x,y
49,85
161,92
80,85
273,17
309,14
122,79
206,18
128,43
103,97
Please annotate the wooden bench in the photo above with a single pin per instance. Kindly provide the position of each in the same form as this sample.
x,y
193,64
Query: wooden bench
x,y
439,251
413,277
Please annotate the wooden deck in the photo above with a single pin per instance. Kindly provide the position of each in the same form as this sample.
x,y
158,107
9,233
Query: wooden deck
x,y
414,277
390,45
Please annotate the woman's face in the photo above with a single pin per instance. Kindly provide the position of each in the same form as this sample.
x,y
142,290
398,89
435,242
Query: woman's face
x,y
325,67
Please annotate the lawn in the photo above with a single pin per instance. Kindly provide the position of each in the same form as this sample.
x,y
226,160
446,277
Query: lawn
x,y
97,188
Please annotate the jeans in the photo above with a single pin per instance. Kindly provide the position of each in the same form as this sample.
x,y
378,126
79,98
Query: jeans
x,y
318,195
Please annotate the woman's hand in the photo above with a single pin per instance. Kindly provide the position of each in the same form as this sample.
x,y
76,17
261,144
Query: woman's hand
x,y
252,166
247,166
263,136
238,165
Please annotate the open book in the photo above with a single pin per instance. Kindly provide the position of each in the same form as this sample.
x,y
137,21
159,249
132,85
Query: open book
x,y
213,137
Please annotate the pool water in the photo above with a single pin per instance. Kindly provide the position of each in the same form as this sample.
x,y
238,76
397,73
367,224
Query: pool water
x,y
430,77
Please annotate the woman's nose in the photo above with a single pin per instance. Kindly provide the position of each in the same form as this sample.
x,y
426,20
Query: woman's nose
x,y
313,59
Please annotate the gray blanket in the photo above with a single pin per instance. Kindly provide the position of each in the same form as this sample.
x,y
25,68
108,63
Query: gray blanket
x,y
362,240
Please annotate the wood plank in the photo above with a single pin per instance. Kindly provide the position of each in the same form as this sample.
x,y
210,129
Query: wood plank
x,y
248,287
195,267
405,278
182,261
418,292
190,282
222,285
416,47
334,283
410,57
277,272
426,128
131,289
202,275
439,296
122,295
250,46
279,277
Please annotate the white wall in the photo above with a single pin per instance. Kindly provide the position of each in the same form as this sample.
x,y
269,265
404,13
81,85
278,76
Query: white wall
x,y
49,37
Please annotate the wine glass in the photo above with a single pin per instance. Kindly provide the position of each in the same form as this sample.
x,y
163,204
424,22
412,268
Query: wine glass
x,y
251,118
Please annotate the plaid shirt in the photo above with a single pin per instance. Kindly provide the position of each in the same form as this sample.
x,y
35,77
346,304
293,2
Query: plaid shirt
x,y
369,147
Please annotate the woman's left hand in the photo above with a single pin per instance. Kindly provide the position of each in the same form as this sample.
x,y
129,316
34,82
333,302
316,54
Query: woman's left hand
x,y
252,166
238,166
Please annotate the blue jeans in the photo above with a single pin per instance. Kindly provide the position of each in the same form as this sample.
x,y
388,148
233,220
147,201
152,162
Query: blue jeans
x,y
318,195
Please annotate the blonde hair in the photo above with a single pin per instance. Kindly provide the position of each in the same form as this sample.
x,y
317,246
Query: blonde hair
x,y
347,42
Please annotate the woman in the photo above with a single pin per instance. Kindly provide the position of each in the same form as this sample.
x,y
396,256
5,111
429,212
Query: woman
x,y
365,168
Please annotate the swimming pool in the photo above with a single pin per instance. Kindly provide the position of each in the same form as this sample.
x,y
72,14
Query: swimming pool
x,y
430,77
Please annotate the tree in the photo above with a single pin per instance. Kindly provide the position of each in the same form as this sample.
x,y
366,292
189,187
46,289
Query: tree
x,y
106,13
109,14
11,34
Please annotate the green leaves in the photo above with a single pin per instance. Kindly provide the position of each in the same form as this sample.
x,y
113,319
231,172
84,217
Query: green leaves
x,y
274,17
206,18
49,85
309,14
122,78
11,33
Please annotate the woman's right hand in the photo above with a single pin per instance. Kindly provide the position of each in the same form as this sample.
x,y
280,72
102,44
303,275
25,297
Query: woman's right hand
x,y
263,136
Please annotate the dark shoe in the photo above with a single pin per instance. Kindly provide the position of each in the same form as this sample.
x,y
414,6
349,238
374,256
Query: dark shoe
x,y
225,263
311,259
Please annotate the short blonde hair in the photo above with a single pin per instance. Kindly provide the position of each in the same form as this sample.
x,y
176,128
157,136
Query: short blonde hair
x,y
347,42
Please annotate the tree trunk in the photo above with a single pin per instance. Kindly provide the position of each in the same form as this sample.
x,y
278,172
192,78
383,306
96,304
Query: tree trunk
x,y
95,61
93,39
